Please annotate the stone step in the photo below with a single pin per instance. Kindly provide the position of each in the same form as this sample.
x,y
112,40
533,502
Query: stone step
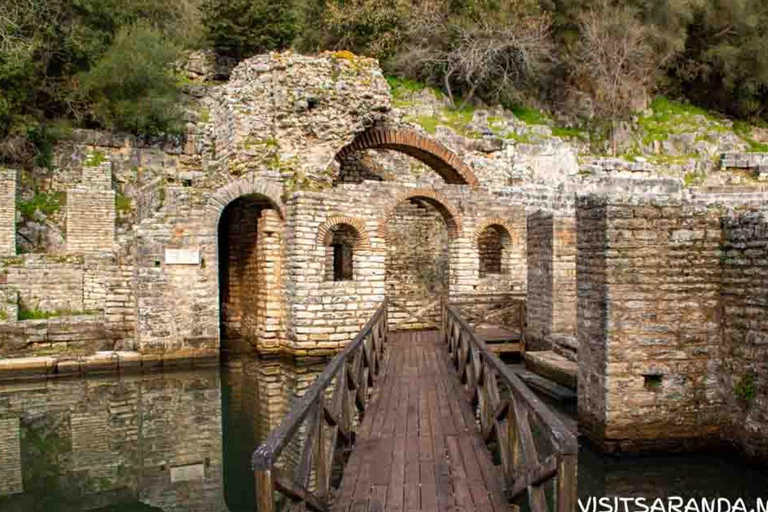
x,y
542,384
552,366
504,348
566,346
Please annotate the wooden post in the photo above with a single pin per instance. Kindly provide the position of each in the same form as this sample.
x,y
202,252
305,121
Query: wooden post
x,y
265,490
320,462
567,490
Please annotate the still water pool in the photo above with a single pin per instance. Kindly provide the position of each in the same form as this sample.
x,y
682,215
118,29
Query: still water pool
x,y
181,441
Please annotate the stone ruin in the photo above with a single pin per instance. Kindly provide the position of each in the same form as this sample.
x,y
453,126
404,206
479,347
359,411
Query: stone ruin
x,y
299,198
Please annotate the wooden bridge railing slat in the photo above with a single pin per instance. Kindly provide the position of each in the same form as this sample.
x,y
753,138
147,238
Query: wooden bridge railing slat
x,y
329,419
507,418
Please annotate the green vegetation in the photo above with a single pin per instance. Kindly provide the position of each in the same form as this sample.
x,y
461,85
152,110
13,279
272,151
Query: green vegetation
x,y
744,131
241,28
123,204
132,86
668,117
529,115
745,389
47,204
566,132
94,159
37,314
111,64
80,63
457,119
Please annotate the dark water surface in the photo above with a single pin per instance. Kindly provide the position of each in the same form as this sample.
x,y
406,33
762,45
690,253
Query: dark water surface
x,y
181,441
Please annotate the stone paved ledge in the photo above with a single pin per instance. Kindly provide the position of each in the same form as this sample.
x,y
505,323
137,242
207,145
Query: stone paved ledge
x,y
103,362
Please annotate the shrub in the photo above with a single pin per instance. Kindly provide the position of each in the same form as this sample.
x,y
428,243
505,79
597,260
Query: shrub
x,y
132,87
241,28
490,49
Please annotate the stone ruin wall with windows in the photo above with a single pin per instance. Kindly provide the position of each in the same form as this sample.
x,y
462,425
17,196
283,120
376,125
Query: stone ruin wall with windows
x,y
299,198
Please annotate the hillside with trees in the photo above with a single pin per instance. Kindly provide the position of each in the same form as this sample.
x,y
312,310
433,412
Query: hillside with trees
x,y
112,64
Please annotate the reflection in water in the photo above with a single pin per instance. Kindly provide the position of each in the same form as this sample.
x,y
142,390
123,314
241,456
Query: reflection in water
x,y
167,441
182,441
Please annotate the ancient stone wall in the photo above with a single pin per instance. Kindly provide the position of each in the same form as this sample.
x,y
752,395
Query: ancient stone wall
x,y
648,278
417,264
744,320
7,212
540,281
91,211
551,279
90,298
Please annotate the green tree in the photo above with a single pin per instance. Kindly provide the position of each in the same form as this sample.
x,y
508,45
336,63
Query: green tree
x,y
241,28
132,86
725,64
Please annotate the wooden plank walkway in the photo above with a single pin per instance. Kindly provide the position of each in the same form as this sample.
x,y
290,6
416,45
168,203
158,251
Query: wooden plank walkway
x,y
419,447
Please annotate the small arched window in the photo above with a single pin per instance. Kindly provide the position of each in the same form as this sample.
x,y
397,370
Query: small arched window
x,y
493,246
339,253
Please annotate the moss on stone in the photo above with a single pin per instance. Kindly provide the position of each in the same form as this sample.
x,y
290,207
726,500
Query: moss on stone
x,y
38,314
94,159
745,388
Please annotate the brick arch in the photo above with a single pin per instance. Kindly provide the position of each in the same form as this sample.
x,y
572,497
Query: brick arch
x,y
244,186
496,221
439,201
325,231
425,149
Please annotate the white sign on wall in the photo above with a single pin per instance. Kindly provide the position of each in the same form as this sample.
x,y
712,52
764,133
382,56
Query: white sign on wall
x,y
187,473
182,256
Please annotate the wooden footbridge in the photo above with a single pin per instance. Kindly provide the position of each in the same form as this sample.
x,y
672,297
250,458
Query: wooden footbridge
x,y
419,420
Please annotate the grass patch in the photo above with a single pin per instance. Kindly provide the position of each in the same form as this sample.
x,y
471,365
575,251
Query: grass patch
x,y
520,138
123,204
693,178
455,119
403,88
565,132
744,131
529,115
673,117
48,204
38,314
665,109
95,159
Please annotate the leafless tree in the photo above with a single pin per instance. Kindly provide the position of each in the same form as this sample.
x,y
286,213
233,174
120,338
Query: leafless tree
x,y
616,59
492,54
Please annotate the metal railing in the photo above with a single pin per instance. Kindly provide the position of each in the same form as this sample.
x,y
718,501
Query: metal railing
x,y
535,448
329,424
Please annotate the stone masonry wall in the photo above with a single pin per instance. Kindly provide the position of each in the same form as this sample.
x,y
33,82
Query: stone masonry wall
x,y
551,279
648,278
744,351
417,262
91,298
91,211
540,281
564,276
7,212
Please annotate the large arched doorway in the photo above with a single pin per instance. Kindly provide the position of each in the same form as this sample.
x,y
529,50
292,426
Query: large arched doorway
x,y
250,255
418,231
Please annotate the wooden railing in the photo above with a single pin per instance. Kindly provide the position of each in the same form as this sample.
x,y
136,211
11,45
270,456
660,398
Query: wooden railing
x,y
536,449
329,418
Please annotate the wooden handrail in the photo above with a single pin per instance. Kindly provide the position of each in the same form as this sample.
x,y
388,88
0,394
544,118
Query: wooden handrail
x,y
354,370
506,409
